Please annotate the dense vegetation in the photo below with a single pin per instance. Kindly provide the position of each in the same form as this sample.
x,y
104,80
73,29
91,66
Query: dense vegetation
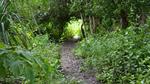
x,y
115,39
39,64
118,57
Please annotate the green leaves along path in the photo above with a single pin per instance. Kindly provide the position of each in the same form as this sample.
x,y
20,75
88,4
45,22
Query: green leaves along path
x,y
38,65
114,39
118,57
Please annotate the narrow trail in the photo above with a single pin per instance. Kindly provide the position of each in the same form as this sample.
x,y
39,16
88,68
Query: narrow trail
x,y
71,65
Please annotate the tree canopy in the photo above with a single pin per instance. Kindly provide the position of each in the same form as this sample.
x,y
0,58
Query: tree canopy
x,y
114,37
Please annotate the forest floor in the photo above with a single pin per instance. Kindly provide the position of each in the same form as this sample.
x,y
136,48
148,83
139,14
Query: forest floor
x,y
71,65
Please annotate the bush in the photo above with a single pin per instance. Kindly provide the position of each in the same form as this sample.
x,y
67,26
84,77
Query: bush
x,y
118,57
38,65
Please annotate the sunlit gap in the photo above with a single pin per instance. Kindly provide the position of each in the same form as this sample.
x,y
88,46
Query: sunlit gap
x,y
73,29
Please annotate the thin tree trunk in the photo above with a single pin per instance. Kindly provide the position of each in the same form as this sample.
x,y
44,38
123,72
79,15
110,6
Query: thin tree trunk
x,y
142,19
123,19
82,26
94,24
90,24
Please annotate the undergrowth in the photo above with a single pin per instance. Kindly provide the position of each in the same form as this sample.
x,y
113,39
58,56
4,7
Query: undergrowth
x,y
119,57
37,65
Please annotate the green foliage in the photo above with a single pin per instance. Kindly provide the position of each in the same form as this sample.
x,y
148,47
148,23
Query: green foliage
x,y
19,34
26,10
39,13
38,65
110,11
72,29
29,56
118,57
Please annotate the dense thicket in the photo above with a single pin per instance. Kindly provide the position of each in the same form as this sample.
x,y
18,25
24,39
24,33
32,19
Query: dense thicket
x,y
28,28
26,54
51,16
118,57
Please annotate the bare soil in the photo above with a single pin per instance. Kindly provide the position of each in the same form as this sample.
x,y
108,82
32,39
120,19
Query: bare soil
x,y
71,65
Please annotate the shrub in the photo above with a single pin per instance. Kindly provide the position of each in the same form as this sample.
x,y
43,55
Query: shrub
x,y
38,65
118,57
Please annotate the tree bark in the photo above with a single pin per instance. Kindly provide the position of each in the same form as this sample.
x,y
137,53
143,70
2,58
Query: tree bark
x,y
123,19
94,24
90,24
82,26
142,19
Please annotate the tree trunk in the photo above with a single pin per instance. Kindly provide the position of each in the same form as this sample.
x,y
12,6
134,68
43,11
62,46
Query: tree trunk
x,y
142,19
90,24
94,24
82,26
123,19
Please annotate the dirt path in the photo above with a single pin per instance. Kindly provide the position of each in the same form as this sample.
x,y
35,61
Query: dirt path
x,y
71,65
